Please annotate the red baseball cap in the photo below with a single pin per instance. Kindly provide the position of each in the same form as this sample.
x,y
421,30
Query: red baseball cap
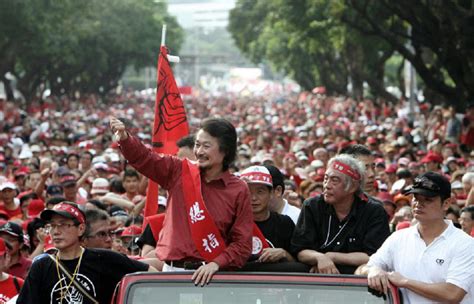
x,y
66,209
35,207
432,157
391,169
132,230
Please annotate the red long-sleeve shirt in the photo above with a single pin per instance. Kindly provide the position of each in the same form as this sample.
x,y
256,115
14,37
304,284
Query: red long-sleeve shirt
x,y
227,199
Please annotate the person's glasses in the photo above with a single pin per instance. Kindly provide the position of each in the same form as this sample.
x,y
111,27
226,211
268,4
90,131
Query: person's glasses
x,y
423,182
102,234
59,226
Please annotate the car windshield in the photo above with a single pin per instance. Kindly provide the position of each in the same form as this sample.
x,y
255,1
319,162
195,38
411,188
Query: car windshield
x,y
248,293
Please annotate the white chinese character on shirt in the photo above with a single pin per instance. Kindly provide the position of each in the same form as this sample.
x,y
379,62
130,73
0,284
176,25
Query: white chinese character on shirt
x,y
213,241
195,213
210,242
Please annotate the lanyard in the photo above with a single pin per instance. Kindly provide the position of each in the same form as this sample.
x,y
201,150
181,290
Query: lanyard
x,y
326,243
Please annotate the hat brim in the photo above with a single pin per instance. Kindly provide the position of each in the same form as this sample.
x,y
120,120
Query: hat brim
x,y
46,215
9,232
259,182
68,183
422,191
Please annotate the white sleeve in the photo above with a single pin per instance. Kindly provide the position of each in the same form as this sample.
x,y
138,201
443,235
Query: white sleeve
x,y
383,258
461,268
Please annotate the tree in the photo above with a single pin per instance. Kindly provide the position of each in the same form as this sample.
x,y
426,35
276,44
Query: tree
x,y
80,46
308,40
436,36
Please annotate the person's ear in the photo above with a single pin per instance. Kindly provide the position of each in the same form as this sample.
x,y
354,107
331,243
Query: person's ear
x,y
82,229
447,202
278,192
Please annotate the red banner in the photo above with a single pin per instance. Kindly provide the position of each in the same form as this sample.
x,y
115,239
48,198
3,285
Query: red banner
x,y
206,236
170,122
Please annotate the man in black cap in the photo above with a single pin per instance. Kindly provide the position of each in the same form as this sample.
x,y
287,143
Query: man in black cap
x,y
74,274
431,261
13,234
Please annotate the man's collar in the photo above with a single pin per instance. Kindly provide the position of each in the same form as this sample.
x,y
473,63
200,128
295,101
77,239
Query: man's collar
x,y
224,177
356,204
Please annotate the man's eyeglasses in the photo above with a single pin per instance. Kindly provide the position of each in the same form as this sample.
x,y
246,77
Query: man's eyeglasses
x,y
423,182
101,235
59,226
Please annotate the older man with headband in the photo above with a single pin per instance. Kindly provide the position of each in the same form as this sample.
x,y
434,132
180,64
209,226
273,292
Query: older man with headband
x,y
338,230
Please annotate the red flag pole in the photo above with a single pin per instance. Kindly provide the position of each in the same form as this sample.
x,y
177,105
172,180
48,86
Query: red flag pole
x,y
170,123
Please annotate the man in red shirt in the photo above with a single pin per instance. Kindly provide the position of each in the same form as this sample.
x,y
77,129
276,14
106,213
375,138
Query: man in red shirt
x,y
9,285
225,197
13,234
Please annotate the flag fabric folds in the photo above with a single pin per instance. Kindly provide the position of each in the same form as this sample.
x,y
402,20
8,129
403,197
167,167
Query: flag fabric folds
x,y
170,121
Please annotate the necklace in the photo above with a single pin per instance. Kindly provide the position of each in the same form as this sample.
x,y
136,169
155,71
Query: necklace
x,y
326,244
76,271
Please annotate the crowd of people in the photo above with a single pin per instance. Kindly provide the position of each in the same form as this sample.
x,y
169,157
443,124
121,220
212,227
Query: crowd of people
x,y
303,182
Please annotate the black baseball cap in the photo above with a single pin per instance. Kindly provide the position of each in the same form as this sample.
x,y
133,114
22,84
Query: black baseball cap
x,y
430,184
12,229
54,190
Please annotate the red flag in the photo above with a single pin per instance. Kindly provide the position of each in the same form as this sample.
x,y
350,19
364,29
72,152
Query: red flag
x,y
170,122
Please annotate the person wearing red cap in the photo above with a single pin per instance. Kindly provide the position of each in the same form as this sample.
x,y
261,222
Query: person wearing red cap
x,y
129,236
74,274
338,230
9,285
69,184
277,229
432,261
217,229
432,162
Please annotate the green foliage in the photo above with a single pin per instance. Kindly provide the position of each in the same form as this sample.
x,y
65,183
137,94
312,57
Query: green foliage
x,y
82,46
437,37
307,40
325,42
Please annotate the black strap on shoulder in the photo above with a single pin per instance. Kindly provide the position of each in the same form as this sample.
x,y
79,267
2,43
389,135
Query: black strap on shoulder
x,y
17,284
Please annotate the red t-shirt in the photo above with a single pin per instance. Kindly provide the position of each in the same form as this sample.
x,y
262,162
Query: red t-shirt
x,y
21,268
227,199
12,214
8,289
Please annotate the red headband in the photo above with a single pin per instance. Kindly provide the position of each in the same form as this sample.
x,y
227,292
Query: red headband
x,y
345,169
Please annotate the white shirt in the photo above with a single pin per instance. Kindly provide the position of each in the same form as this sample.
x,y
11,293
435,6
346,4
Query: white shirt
x,y
448,259
292,211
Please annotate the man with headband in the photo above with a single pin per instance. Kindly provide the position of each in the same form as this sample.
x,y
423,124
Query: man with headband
x,y
74,274
338,230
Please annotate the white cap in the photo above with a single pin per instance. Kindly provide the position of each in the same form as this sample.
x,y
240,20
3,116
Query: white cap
x,y
257,175
7,185
35,148
456,185
162,200
317,164
100,185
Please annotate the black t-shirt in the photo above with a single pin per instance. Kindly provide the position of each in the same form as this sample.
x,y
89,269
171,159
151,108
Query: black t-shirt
x,y
318,228
277,230
146,238
99,273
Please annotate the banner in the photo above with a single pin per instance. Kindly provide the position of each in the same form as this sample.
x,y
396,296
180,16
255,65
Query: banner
x,y
170,122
